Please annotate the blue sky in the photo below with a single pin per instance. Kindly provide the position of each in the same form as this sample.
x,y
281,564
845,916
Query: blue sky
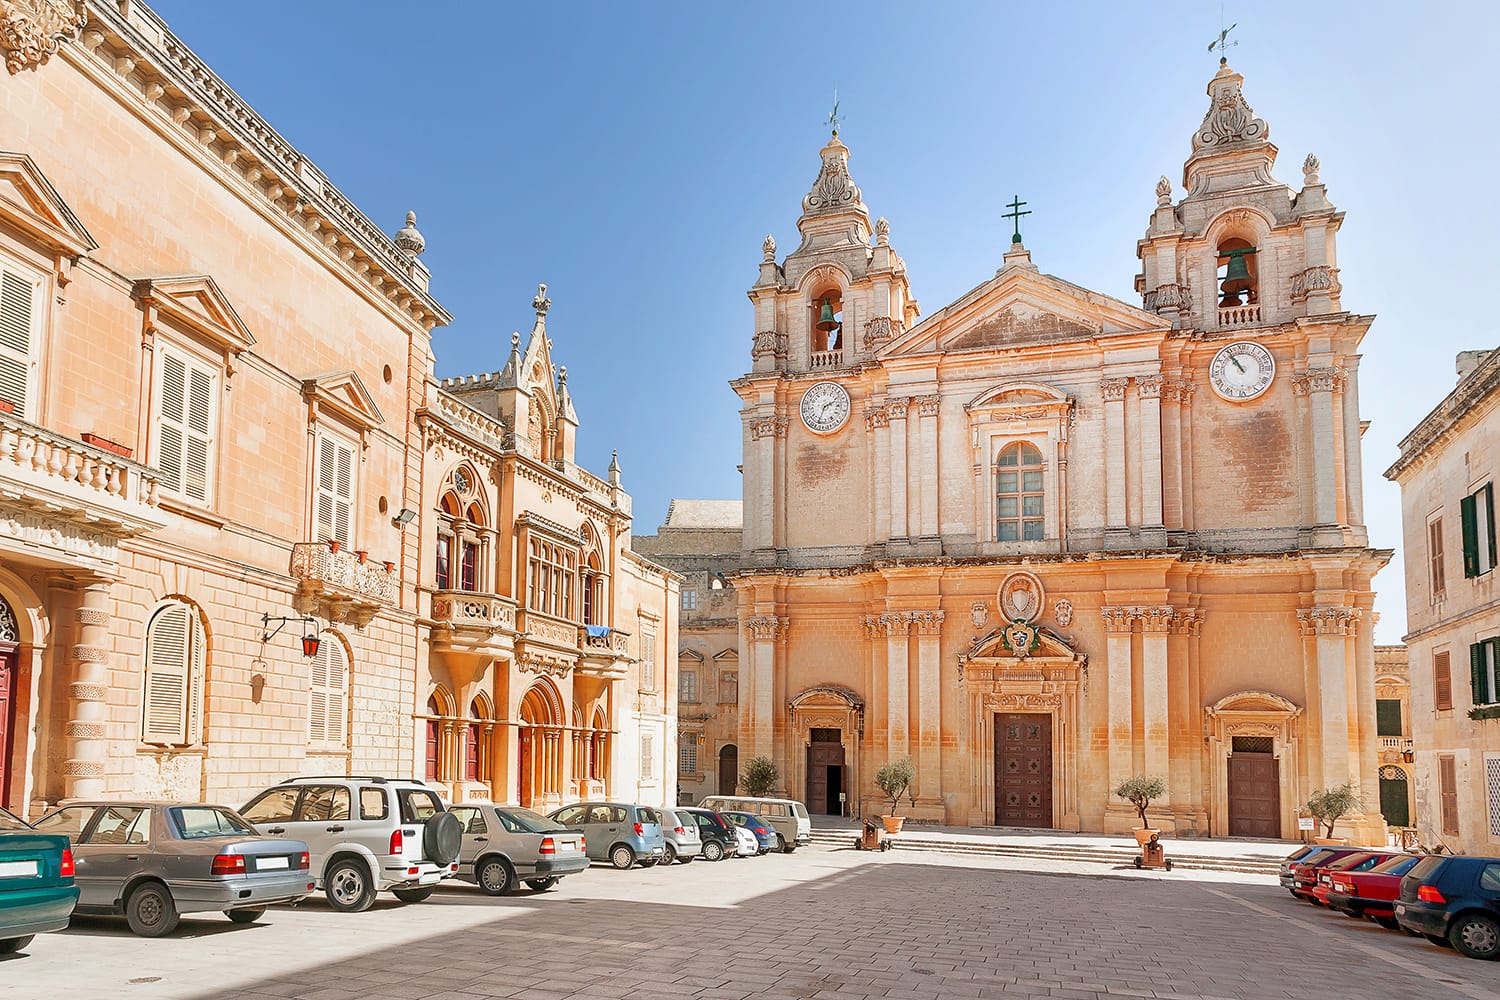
x,y
634,156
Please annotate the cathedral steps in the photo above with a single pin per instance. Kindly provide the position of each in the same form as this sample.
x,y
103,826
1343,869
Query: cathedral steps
x,y
1089,854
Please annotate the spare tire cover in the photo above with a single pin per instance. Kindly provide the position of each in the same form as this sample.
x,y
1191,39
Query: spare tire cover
x,y
442,835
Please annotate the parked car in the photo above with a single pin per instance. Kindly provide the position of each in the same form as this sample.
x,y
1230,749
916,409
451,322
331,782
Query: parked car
x,y
154,861
746,844
720,837
1356,862
365,835
1453,901
683,842
37,890
1305,872
506,844
1292,860
765,837
622,833
1371,893
788,817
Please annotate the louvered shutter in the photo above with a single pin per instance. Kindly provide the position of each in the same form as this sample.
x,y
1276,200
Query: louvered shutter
x,y
199,434
186,419
1442,682
170,417
168,676
317,696
335,501
197,668
18,299
328,695
1487,525
1476,673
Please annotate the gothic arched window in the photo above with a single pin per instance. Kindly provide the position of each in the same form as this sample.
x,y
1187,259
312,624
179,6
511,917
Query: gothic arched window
x,y
463,534
1019,494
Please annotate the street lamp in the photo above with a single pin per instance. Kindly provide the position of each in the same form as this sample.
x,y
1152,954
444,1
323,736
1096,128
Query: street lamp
x,y
310,640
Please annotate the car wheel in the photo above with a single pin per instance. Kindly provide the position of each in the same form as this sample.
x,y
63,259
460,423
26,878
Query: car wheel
x,y
541,884
669,855
781,844
12,945
442,836
1389,923
790,848
245,915
413,895
621,856
713,850
1476,936
150,910
347,886
496,877
1438,940
649,862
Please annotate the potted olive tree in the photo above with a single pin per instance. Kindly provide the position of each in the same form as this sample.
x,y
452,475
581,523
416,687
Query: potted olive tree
x,y
894,780
1331,805
1139,790
759,777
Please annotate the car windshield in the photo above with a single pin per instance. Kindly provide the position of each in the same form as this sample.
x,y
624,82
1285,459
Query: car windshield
x,y
1399,865
197,822
1425,867
10,821
527,821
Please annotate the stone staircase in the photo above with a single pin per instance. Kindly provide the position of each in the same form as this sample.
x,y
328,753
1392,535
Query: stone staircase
x,y
913,840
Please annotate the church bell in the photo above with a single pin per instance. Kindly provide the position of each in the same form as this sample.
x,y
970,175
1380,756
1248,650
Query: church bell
x,y
826,321
1237,274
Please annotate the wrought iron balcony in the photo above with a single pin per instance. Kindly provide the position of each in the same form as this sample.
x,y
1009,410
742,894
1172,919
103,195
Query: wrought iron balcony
x,y
340,586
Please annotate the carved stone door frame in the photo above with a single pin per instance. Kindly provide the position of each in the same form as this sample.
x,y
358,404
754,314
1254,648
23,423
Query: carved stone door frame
x,y
824,707
1252,713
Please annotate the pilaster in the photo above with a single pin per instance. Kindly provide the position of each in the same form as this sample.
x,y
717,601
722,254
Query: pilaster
x,y
927,407
1156,622
1319,384
1152,522
1119,622
765,633
897,628
1113,392
87,693
879,425
929,628
1331,629
895,411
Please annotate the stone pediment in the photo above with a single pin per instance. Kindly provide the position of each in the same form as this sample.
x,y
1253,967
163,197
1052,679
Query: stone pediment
x,y
343,395
29,203
195,302
1020,306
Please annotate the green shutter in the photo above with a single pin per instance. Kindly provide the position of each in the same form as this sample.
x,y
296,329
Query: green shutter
x,y
1476,672
1388,716
1471,536
1489,518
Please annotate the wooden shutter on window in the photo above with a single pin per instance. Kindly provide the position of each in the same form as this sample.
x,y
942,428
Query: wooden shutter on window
x,y
1476,673
17,319
1442,682
1435,555
1471,535
335,489
327,709
1448,795
185,423
1388,716
169,683
1488,524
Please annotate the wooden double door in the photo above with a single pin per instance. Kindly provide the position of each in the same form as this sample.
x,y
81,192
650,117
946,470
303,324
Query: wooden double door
x,y
1254,795
825,772
1023,770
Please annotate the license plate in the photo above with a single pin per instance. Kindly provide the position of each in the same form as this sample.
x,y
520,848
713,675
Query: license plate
x,y
265,864
1400,907
18,869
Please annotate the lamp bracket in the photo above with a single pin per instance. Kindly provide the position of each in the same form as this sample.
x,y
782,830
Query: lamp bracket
x,y
282,621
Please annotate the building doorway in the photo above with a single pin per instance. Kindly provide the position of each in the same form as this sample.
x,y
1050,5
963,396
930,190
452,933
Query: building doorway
x,y
729,769
1254,788
1023,770
825,772
1394,803
8,665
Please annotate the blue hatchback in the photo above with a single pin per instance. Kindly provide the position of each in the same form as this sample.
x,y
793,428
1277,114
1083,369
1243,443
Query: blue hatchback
x,y
37,893
1454,900
765,836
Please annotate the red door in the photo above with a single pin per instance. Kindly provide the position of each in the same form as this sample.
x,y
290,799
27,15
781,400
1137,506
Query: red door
x,y
471,753
7,716
432,749
1023,770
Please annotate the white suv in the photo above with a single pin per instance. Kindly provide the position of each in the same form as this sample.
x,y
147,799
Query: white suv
x,y
365,835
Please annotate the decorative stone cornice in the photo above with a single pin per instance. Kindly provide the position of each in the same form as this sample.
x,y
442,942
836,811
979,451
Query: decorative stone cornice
x,y
1149,386
764,427
769,343
31,31
1317,380
1460,408
767,628
1319,277
896,407
1118,620
1113,389
1325,620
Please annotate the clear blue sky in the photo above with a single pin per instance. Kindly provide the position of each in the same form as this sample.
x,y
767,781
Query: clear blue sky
x,y
633,156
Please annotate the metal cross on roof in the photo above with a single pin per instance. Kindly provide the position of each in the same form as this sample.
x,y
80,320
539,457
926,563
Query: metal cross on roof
x,y
1015,214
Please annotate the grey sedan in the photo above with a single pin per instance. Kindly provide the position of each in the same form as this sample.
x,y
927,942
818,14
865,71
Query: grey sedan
x,y
504,844
153,861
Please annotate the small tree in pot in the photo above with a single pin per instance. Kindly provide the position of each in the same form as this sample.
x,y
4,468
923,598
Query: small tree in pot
x,y
1332,804
759,777
894,779
1139,790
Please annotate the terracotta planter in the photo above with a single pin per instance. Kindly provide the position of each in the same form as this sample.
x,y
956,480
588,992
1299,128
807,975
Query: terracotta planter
x,y
390,567
1143,835
106,444
363,555
893,823
333,545
6,406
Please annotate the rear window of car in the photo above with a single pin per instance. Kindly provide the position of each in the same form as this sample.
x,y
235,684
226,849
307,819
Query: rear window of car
x,y
1489,879
196,822
526,821
648,815
372,803
1425,867
68,821
10,821
800,810
572,816
418,805
1316,857
1395,866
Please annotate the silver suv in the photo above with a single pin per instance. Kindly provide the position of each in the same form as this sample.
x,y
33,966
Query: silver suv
x,y
365,835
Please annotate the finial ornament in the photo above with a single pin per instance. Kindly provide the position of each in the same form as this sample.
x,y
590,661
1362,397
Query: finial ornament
x,y
1164,191
882,231
541,303
562,375
1014,215
1310,169
1229,119
833,120
515,340
1223,44
408,240
768,249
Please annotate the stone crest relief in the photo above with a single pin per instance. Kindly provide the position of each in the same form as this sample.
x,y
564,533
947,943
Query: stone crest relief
x,y
979,613
1062,611
31,31
1021,597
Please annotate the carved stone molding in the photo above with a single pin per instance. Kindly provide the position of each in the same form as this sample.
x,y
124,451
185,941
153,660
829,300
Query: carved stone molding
x,y
91,616
1022,702
1319,277
32,30
834,190
1168,295
1113,389
1150,386
541,663
767,628
1229,119
84,730
764,427
1271,729
1118,619
896,407
979,613
90,654
1187,621
83,769
769,343
876,418
1325,620
80,691
1157,618
895,623
1318,380
1021,596
927,406
882,330
926,622
1062,612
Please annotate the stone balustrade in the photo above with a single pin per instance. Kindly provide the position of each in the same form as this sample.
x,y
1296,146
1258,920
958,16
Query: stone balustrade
x,y
467,609
538,627
612,643
1400,743
1230,316
340,586
76,481
827,359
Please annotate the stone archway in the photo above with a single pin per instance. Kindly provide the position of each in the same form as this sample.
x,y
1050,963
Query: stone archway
x,y
818,767
1261,725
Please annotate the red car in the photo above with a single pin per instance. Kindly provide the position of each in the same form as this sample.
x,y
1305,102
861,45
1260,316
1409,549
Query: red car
x,y
1304,874
1371,893
1349,863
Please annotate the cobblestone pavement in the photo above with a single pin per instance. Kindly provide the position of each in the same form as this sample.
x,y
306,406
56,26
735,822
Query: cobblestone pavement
x,y
821,924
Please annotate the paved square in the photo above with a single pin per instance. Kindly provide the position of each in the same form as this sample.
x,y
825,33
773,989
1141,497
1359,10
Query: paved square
x,y
818,925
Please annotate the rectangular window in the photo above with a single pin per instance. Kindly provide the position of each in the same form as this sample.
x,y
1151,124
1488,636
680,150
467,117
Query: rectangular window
x,y
20,330
1448,794
648,757
1492,793
1442,682
1435,558
328,696
186,421
1388,716
1483,656
335,479
687,686
473,752
469,567
689,600
550,571
648,660
1477,511
687,753
442,578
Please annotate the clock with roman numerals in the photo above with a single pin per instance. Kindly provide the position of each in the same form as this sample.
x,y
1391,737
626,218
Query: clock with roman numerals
x,y
1241,371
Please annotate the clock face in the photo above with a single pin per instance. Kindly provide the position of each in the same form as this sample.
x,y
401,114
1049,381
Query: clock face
x,y
1241,371
825,407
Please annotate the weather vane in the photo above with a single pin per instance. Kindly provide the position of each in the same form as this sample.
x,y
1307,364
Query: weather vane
x,y
1015,214
1222,43
833,120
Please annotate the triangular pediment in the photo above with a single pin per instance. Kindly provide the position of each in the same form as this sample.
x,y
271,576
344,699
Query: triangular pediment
x,y
29,203
1020,306
196,302
345,396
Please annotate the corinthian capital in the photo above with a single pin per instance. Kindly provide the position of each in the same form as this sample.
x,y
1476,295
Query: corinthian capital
x,y
1113,389
1118,619
1318,380
1325,620
767,628
32,30
1157,618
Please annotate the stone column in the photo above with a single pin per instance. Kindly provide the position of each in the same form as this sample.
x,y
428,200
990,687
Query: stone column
x,y
1118,623
929,626
1155,623
764,632
927,407
1353,461
896,413
1185,388
880,471
1150,452
897,705
83,771
506,746
1171,456
1331,629
1319,384
1113,390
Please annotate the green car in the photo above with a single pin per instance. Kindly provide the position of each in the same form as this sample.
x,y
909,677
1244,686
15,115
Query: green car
x,y
37,893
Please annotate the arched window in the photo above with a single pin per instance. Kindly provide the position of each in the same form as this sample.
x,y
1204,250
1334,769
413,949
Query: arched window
x,y
591,578
828,320
463,534
474,755
176,657
550,571
1019,494
1238,274
328,696
434,739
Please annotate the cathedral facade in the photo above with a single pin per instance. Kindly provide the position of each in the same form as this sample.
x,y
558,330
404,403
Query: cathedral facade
x,y
1042,539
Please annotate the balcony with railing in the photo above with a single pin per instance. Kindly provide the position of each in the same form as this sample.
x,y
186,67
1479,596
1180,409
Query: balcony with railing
x,y
605,651
465,621
1400,744
1232,316
827,359
341,586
